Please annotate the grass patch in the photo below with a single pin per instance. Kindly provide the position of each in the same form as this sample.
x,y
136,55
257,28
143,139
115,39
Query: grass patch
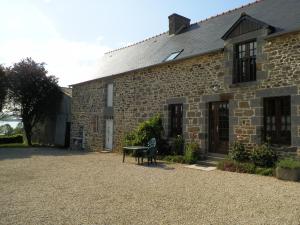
x,y
14,145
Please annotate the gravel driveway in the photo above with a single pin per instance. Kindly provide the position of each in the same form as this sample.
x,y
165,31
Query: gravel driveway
x,y
48,186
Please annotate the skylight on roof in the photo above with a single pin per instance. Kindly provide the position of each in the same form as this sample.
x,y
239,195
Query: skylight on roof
x,y
173,56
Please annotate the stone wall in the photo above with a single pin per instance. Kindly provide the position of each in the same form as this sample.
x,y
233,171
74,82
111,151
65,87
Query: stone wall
x,y
88,100
193,82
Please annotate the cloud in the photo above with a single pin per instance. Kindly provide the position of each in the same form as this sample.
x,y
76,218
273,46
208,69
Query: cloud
x,y
71,61
29,33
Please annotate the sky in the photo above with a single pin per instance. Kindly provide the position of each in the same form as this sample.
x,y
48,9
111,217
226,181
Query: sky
x,y
70,36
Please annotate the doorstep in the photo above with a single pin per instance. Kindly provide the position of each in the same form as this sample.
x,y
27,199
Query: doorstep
x,y
201,167
106,151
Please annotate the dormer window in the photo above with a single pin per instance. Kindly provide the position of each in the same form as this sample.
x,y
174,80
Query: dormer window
x,y
173,56
245,62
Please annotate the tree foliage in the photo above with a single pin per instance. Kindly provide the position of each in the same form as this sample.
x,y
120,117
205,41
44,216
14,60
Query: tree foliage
x,y
19,128
3,87
34,94
6,129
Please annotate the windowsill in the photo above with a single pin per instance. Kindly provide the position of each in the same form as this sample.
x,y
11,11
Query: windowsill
x,y
243,84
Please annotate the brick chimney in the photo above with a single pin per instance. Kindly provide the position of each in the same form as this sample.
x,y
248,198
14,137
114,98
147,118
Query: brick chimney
x,y
177,23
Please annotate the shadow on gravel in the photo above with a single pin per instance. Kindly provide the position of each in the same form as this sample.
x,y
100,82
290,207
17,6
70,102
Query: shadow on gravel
x,y
20,153
160,165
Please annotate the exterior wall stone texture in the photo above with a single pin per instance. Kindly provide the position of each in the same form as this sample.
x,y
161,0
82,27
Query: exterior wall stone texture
x,y
194,82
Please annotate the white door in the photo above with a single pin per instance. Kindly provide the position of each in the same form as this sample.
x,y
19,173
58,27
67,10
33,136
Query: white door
x,y
109,134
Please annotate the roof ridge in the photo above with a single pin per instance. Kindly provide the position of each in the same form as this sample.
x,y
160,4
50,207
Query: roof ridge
x,y
200,21
229,11
127,46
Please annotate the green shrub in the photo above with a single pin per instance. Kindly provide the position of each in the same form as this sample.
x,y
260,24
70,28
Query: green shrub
x,y
11,139
238,152
178,145
192,152
264,171
263,156
245,167
223,164
234,166
151,128
289,163
131,139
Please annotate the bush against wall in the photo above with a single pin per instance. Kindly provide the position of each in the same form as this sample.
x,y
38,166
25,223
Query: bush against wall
x,y
178,145
238,152
264,156
151,128
192,152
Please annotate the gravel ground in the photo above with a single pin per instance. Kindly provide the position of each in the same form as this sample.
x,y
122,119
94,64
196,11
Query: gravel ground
x,y
47,186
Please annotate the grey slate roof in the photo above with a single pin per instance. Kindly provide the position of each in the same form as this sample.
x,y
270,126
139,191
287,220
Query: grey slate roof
x,y
199,38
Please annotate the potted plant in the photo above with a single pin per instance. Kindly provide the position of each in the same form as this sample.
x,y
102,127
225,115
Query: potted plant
x,y
288,169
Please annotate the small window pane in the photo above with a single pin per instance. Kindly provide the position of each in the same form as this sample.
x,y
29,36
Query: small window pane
x,y
173,56
277,120
245,62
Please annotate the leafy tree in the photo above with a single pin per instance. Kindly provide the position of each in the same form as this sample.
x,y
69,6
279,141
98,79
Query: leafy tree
x,y
19,128
35,94
6,129
3,87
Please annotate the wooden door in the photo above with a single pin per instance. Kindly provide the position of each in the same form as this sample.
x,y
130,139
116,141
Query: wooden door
x,y
109,134
219,127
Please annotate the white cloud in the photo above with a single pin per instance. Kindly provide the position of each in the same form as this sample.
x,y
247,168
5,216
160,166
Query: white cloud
x,y
71,61
29,33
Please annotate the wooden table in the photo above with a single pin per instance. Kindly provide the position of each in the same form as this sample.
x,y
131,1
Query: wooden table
x,y
137,150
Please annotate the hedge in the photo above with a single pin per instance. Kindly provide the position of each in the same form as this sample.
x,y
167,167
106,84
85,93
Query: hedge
x,y
11,139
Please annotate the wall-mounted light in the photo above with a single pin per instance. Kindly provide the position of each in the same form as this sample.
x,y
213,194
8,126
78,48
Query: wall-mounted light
x,y
215,87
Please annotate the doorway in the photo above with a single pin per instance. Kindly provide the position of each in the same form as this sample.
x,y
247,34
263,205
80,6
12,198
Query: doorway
x,y
109,134
219,127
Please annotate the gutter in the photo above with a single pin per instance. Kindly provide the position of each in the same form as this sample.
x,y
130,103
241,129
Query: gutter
x,y
281,33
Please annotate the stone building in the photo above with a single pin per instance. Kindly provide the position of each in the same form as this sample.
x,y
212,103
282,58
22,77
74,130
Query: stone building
x,y
234,76
55,129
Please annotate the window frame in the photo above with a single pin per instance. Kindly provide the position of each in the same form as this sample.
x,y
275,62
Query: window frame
x,y
244,67
176,124
110,95
168,59
277,120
